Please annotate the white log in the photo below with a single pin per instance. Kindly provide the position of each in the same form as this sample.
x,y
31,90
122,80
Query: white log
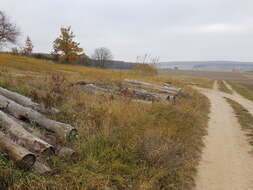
x,y
67,153
164,89
145,95
61,130
41,168
93,89
25,101
19,135
20,156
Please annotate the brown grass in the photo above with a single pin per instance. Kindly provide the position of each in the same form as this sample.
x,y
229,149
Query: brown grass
x,y
122,144
244,117
243,90
222,87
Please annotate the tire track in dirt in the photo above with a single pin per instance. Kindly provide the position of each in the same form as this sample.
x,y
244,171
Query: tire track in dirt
x,y
226,162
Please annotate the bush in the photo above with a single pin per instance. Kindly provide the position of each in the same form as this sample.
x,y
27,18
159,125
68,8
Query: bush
x,y
145,69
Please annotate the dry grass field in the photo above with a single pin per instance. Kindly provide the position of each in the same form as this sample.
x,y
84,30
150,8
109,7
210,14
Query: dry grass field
x,y
239,77
121,144
242,82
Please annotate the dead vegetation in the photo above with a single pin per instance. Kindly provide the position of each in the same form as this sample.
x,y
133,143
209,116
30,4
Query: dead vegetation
x,y
122,144
222,87
242,89
244,117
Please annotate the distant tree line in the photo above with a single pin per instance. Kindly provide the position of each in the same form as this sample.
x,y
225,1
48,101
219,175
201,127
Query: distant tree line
x,y
67,50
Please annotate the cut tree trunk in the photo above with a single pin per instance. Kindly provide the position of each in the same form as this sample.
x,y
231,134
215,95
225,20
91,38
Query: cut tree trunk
x,y
62,152
164,89
27,102
67,153
19,155
62,131
145,95
41,168
19,135
92,89
131,92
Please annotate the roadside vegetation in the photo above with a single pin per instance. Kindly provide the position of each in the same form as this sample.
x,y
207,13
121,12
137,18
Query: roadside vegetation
x,y
121,144
244,117
223,88
242,90
203,82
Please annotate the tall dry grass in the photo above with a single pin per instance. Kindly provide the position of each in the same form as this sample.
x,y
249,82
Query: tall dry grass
x,y
122,144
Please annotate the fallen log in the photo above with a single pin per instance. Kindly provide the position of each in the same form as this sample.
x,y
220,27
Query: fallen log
x,y
27,102
19,155
171,89
145,95
138,93
41,168
67,153
164,89
62,131
19,135
92,89
42,134
63,152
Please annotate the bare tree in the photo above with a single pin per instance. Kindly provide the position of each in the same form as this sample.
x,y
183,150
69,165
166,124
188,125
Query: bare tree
x,y
147,59
102,56
146,64
27,50
8,30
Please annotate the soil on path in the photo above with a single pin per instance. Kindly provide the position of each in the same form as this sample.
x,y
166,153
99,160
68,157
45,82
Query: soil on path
x,y
227,163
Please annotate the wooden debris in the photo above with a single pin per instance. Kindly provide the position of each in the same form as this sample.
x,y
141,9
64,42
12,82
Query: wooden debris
x,y
61,130
93,89
143,94
27,102
19,155
19,135
41,168
67,153
167,93
164,89
28,137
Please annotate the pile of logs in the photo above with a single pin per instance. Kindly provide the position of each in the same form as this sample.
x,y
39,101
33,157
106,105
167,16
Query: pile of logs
x,y
27,136
138,91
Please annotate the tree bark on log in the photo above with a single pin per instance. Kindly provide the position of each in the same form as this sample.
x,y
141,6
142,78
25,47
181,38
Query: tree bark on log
x,y
41,168
134,93
145,95
19,135
92,89
67,153
19,155
62,131
164,89
27,102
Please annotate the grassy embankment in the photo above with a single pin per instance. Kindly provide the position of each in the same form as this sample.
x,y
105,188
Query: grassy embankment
x,y
242,90
121,144
223,88
244,117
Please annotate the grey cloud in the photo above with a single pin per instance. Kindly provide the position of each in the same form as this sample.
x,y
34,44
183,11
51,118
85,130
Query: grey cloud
x,y
171,29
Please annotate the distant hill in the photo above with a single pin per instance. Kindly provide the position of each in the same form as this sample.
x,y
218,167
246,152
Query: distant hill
x,y
208,65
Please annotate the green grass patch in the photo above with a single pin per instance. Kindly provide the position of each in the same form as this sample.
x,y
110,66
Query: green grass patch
x,y
242,90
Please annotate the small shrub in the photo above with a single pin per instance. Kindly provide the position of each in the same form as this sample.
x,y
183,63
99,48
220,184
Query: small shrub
x,y
145,69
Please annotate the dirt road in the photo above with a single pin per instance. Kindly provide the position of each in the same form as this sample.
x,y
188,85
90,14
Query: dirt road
x,y
226,162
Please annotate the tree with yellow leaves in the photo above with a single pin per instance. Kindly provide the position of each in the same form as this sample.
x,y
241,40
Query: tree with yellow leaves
x,y
65,48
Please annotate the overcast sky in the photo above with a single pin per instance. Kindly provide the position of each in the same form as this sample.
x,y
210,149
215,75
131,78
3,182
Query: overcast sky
x,y
170,29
